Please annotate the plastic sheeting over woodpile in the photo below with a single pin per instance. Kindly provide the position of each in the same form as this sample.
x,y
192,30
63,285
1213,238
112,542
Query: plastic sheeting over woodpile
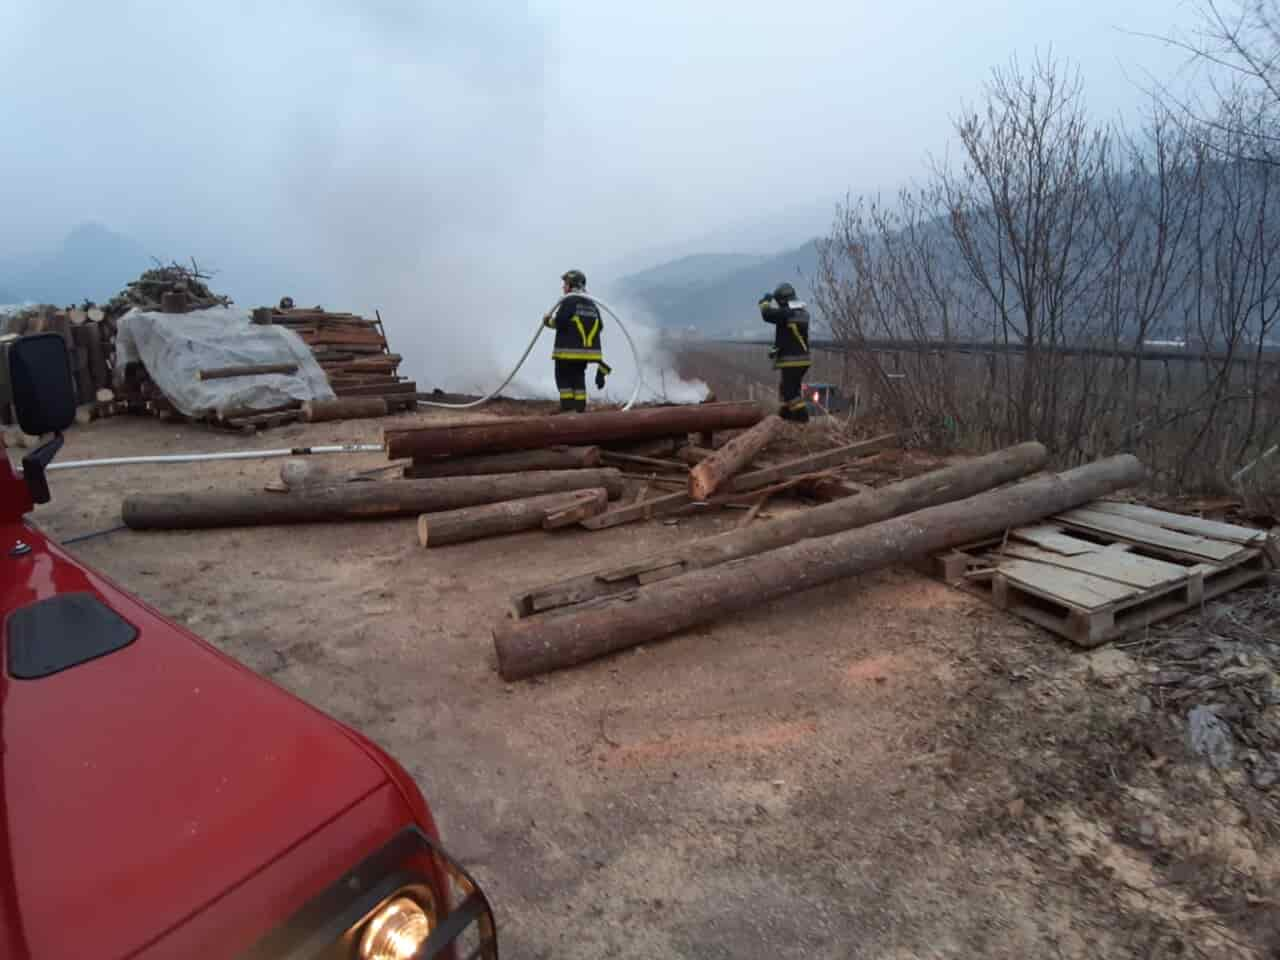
x,y
175,347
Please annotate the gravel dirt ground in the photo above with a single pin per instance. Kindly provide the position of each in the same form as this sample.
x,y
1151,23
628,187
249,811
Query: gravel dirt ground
x,y
883,768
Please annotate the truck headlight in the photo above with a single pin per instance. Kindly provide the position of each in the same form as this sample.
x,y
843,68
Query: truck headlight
x,y
396,932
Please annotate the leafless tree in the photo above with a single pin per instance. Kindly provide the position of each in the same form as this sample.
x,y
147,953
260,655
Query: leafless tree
x,y
1234,51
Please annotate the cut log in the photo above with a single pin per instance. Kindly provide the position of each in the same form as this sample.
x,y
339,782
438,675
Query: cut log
x,y
95,314
86,414
174,301
943,486
500,519
640,510
529,647
249,370
344,408
746,482
574,429
105,395
376,500
813,463
569,458
711,474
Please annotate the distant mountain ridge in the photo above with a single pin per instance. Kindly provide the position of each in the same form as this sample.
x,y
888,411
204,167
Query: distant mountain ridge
x,y
93,263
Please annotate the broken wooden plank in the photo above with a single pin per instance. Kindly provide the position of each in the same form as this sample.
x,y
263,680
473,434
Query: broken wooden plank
x,y
1118,565
1053,539
1215,530
645,510
1144,533
1057,583
575,514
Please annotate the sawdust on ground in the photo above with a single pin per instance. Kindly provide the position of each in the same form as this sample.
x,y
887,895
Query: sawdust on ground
x,y
883,768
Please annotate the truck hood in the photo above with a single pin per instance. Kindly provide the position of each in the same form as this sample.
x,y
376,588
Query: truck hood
x,y
140,787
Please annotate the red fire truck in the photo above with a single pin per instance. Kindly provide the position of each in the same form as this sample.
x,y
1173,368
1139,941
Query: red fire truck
x,y
161,800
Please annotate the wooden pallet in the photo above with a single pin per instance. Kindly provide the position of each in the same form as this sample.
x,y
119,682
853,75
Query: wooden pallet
x,y
1106,569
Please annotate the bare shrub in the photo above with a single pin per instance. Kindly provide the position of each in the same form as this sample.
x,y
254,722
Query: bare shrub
x,y
1017,295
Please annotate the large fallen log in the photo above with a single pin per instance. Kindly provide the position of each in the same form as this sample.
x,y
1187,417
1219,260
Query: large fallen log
x,y
568,458
505,517
745,482
712,473
531,433
941,486
353,501
344,408
555,640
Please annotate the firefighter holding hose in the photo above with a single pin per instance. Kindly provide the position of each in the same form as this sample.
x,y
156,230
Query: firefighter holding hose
x,y
577,323
790,352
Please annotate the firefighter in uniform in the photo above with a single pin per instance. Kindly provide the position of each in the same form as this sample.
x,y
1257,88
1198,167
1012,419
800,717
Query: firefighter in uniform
x,y
577,323
790,353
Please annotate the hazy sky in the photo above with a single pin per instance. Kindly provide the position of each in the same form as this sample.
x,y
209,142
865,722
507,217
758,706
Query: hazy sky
x,y
462,155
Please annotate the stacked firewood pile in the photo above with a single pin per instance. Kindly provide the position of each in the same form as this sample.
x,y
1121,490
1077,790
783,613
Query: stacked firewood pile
x,y
90,339
90,331
354,354
175,288
352,350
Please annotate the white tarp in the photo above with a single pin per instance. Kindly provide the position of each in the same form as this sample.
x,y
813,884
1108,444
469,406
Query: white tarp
x,y
174,347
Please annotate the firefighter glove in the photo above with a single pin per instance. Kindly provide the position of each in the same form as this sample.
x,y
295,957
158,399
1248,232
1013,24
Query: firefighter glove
x,y
600,378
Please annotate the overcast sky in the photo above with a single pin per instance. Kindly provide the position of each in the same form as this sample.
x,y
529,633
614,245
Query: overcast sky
x,y
464,154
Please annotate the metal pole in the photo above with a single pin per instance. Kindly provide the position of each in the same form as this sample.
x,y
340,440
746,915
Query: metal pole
x,y
208,457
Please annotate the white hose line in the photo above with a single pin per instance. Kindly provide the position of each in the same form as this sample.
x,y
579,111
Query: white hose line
x,y
207,457
635,356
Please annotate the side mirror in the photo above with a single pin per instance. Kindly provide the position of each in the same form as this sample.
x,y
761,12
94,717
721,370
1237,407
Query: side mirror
x,y
44,400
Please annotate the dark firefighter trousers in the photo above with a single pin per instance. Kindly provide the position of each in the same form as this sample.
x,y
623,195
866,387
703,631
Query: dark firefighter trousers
x,y
571,380
793,404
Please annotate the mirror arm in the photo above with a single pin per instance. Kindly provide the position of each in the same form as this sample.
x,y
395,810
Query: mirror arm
x,y
33,467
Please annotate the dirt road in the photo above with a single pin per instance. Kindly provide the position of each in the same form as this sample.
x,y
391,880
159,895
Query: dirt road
x,y
882,768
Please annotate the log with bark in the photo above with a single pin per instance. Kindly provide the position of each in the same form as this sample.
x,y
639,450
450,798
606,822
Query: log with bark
x,y
580,429
247,370
561,639
344,408
505,517
90,336
376,500
943,486
566,458
711,474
